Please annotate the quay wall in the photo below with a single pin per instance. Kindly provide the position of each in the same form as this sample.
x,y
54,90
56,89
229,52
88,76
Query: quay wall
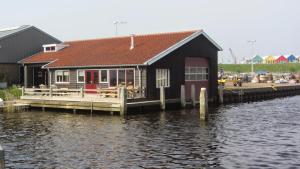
x,y
256,94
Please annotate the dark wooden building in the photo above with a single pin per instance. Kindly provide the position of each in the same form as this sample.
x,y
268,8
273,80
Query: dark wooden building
x,y
17,43
145,62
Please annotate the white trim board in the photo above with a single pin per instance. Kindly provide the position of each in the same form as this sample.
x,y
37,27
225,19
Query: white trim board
x,y
179,44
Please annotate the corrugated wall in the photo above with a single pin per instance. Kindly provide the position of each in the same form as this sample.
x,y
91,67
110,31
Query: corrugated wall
x,y
21,45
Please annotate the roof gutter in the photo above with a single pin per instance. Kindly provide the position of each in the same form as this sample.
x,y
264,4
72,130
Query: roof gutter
x,y
92,66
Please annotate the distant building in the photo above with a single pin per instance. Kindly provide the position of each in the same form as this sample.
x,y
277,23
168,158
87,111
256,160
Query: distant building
x,y
292,59
281,59
269,59
257,59
141,62
17,43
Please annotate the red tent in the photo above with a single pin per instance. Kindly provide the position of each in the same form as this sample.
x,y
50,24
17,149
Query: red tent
x,y
281,59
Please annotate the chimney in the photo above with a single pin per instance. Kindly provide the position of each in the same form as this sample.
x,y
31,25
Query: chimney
x,y
132,41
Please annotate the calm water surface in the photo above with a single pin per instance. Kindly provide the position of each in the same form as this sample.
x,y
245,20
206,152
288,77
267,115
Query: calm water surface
x,y
255,135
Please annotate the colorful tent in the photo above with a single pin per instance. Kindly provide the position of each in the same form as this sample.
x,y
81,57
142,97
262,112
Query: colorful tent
x,y
281,59
257,59
292,59
269,59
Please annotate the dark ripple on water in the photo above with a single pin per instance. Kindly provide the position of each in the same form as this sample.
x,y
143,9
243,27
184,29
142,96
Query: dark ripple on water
x,y
255,135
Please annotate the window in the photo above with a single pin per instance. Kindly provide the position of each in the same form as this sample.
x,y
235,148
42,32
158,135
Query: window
x,y
162,78
130,77
112,78
96,77
196,73
50,48
104,76
121,77
88,77
62,76
80,76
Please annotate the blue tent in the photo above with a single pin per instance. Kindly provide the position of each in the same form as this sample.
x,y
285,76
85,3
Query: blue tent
x,y
292,59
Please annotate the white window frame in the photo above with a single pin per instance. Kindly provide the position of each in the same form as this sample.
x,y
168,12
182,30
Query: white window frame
x,y
107,76
162,78
56,71
202,73
117,69
78,75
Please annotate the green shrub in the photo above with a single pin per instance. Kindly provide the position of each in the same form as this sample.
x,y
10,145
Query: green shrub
x,y
2,95
11,93
15,92
276,68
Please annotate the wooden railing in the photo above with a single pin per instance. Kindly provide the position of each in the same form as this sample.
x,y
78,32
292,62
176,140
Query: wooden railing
x,y
102,93
69,92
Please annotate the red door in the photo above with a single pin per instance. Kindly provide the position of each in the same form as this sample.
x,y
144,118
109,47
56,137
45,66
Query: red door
x,y
91,79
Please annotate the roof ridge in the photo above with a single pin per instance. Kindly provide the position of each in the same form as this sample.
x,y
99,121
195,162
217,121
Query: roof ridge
x,y
136,35
14,28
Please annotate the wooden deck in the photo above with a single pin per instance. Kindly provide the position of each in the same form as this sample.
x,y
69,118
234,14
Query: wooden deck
x,y
75,99
80,99
85,100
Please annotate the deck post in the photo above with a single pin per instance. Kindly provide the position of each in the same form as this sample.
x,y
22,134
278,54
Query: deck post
x,y
203,104
123,101
50,91
2,159
162,98
221,94
193,95
25,76
23,91
81,92
182,96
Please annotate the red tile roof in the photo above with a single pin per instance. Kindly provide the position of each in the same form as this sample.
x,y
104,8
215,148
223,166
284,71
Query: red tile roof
x,y
109,51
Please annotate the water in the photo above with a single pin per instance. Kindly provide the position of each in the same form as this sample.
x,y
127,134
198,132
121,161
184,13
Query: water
x,y
256,135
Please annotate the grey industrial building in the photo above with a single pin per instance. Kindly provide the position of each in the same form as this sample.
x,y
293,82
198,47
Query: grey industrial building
x,y
17,43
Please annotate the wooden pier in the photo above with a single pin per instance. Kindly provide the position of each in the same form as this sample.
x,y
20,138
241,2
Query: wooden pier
x,y
12,106
93,100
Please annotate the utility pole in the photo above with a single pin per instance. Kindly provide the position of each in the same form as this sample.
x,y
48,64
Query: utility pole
x,y
252,42
117,23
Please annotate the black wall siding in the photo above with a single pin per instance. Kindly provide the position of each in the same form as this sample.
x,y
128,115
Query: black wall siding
x,y
199,47
21,45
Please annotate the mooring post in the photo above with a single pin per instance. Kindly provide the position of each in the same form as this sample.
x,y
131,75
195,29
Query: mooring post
x,y
162,98
2,159
23,91
81,92
182,96
50,91
221,95
123,101
203,104
193,95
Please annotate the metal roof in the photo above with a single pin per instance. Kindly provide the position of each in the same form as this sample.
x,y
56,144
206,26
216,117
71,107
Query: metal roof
x,y
10,31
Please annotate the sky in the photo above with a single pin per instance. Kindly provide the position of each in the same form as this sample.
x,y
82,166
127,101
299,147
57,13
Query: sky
x,y
273,24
